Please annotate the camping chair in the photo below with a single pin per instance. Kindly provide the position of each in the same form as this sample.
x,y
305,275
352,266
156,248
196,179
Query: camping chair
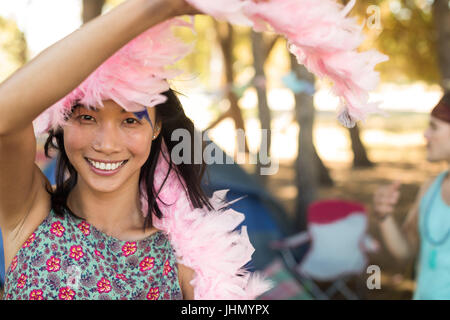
x,y
337,249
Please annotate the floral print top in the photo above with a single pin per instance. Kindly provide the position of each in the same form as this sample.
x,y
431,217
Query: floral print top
x,y
66,258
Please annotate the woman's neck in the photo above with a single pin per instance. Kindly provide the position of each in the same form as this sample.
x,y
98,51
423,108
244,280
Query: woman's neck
x,y
114,213
446,188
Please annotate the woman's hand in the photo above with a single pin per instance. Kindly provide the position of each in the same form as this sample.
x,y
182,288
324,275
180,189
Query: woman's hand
x,y
385,199
181,7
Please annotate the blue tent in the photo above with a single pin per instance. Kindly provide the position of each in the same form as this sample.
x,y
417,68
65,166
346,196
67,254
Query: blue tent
x,y
265,218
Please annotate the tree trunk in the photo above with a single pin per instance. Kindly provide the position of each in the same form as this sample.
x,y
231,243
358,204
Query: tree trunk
x,y
225,36
360,158
324,174
92,9
259,58
441,14
307,177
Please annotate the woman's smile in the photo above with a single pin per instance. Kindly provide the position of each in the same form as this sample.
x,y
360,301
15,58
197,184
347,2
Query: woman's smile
x,y
105,168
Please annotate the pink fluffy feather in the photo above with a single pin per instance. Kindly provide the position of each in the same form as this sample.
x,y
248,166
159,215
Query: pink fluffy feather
x,y
206,241
322,38
203,240
134,77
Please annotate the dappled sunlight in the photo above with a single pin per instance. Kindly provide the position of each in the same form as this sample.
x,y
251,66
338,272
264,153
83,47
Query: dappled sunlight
x,y
402,127
384,138
332,142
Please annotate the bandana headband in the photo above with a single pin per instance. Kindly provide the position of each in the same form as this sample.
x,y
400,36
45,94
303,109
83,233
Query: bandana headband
x,y
442,109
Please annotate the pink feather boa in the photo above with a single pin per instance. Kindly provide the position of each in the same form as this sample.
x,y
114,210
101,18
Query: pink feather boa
x,y
322,38
205,240
135,76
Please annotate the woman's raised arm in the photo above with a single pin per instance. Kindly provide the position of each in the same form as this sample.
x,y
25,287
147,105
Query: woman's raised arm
x,y
45,80
60,68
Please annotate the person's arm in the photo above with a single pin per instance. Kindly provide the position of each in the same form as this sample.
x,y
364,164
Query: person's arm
x,y
49,77
185,276
402,242
63,66
410,226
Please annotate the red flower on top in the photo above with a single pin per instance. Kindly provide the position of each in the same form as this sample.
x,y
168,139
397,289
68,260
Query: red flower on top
x,y
14,264
66,293
129,248
85,228
167,268
53,264
103,286
76,252
29,240
153,293
147,264
57,229
36,295
21,281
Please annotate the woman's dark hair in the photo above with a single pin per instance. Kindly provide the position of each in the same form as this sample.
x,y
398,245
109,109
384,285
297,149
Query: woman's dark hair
x,y
172,117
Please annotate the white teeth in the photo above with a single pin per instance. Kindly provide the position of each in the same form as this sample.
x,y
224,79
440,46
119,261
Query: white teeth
x,y
105,166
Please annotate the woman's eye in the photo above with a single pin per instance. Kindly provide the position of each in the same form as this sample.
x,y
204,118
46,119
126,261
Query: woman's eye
x,y
86,117
131,121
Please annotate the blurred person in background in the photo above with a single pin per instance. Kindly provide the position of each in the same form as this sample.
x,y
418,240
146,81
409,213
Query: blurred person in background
x,y
426,229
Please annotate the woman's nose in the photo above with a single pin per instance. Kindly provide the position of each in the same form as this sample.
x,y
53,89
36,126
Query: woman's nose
x,y
426,134
107,139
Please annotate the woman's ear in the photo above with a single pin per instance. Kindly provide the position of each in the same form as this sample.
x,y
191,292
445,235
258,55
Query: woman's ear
x,y
157,130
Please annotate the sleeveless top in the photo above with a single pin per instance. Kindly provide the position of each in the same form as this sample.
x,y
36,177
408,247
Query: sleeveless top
x,y
66,258
433,267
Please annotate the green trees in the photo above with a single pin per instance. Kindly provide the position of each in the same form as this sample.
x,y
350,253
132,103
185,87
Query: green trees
x,y
13,48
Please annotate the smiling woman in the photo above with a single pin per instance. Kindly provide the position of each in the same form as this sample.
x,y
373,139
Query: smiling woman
x,y
94,138
123,221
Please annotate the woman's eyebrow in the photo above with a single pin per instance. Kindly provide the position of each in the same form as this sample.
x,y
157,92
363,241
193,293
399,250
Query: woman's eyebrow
x,y
79,105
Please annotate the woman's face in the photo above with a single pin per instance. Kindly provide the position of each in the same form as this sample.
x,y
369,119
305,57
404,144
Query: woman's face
x,y
438,140
108,146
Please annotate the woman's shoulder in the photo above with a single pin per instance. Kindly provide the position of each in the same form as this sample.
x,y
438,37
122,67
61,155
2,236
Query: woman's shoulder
x,y
426,185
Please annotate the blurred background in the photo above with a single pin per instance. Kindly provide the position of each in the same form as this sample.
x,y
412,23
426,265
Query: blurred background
x,y
238,79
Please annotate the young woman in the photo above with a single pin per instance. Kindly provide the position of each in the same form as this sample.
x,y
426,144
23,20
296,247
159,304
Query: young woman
x,y
426,229
112,227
